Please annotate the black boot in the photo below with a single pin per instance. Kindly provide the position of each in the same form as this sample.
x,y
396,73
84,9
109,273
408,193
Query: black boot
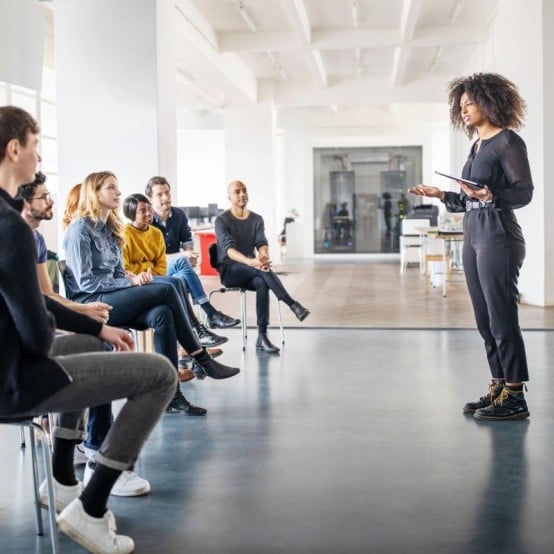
x,y
508,405
264,344
219,320
495,388
299,311
211,368
180,404
207,338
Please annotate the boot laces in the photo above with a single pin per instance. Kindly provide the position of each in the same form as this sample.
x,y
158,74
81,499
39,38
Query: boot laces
x,y
490,393
505,393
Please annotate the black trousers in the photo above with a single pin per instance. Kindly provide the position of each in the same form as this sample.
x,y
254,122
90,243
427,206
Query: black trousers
x,y
493,254
250,278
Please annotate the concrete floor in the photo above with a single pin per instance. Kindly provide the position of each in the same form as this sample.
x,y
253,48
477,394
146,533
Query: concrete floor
x,y
350,441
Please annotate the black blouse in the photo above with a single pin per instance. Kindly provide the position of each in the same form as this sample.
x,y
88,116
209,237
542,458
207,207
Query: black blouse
x,y
501,163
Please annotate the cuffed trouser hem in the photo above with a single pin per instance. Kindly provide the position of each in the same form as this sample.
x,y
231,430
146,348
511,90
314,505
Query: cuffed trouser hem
x,y
112,464
68,434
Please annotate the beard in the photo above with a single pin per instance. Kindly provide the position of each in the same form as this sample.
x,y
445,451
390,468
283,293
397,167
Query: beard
x,y
45,215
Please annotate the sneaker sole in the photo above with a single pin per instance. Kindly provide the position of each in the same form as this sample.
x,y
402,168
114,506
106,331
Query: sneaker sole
x,y
523,415
74,534
138,492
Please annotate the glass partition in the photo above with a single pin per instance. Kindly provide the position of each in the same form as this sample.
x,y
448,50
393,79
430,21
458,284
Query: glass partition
x,y
361,195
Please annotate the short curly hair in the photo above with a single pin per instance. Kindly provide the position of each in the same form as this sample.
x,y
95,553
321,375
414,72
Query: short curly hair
x,y
497,97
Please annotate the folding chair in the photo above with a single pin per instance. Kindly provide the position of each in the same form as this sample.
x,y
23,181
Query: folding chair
x,y
213,262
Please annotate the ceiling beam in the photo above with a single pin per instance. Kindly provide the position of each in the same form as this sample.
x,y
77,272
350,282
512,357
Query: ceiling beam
x,y
347,39
408,21
296,10
196,33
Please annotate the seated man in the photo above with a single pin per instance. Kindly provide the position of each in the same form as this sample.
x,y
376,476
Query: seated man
x,y
32,382
173,224
243,260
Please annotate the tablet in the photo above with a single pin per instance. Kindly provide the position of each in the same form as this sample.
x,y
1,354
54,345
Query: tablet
x,y
471,184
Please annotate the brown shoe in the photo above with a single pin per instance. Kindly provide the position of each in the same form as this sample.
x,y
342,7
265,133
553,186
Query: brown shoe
x,y
185,374
214,352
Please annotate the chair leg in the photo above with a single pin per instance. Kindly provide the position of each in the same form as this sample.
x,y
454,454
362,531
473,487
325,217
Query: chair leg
x,y
47,459
280,322
243,318
36,481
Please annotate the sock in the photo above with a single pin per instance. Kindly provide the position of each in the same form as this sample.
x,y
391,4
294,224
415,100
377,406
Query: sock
x,y
96,493
202,357
208,308
62,461
499,381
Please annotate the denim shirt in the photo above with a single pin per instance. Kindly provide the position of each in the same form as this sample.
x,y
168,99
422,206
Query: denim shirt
x,y
93,260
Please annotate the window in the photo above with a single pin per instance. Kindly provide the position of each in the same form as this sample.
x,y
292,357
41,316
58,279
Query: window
x,y
361,195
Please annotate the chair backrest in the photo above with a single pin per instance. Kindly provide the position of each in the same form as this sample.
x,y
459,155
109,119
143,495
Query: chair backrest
x,y
414,226
212,249
62,269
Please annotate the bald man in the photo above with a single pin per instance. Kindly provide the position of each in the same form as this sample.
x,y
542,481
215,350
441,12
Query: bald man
x,y
243,260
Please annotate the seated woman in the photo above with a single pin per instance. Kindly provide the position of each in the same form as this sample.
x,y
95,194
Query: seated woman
x,y
144,250
95,273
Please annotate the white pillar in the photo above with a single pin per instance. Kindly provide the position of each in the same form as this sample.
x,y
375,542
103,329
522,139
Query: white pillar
x,y
115,71
526,61
250,157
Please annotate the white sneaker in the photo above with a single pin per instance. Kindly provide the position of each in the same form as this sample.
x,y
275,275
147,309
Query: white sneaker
x,y
80,456
96,534
127,484
64,494
91,454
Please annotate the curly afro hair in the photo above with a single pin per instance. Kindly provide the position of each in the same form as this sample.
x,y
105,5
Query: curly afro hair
x,y
496,96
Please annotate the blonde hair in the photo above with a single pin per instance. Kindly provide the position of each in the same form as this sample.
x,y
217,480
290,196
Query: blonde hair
x,y
89,206
71,205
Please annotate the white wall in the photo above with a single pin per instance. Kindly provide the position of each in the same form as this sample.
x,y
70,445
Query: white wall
x,y
201,167
516,48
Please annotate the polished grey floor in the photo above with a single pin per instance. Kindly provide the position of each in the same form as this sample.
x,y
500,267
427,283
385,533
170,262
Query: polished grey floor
x,y
350,441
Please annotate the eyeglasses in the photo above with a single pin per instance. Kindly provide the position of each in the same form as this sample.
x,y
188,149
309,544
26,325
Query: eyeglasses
x,y
46,196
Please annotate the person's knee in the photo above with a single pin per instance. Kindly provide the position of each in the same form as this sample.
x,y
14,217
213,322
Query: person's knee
x,y
179,265
160,316
165,371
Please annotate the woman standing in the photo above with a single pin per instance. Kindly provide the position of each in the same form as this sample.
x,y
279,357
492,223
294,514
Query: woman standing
x,y
494,248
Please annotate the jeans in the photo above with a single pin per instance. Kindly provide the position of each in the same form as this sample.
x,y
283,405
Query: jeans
x,y
156,305
180,267
147,381
250,278
181,288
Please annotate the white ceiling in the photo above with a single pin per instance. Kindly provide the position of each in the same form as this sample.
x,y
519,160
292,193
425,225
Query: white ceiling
x,y
324,52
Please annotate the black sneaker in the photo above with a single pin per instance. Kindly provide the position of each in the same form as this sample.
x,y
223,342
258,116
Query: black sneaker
x,y
207,338
508,405
180,404
494,392
221,321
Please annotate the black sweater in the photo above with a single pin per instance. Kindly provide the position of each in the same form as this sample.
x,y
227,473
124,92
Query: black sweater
x,y
27,374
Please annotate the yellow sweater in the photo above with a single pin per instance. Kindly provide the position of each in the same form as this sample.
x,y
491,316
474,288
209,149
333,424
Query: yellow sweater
x,y
143,250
